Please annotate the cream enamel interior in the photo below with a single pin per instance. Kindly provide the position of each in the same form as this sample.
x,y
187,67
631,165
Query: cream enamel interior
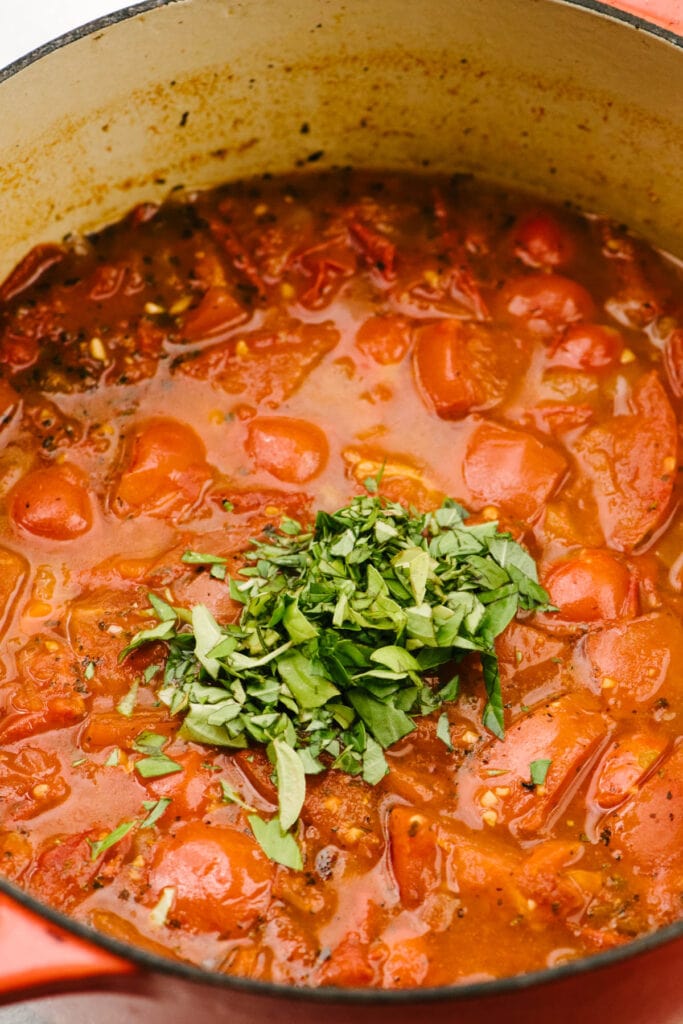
x,y
537,93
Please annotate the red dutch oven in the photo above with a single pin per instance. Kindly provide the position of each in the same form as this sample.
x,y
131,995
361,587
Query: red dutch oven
x,y
571,98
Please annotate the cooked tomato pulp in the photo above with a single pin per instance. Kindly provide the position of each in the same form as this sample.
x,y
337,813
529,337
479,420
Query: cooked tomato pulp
x,y
188,377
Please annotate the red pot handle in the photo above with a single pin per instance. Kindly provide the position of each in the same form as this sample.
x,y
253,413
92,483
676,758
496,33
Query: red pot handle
x,y
39,954
668,13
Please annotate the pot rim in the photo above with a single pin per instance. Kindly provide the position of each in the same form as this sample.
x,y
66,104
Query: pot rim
x,y
154,963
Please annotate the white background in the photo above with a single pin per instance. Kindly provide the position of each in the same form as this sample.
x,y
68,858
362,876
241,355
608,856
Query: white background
x,y
26,24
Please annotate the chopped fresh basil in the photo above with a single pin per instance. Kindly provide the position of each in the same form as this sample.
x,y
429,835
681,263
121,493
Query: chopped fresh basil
x,y
156,766
113,837
276,843
342,633
538,770
113,758
126,705
149,742
156,808
443,730
231,797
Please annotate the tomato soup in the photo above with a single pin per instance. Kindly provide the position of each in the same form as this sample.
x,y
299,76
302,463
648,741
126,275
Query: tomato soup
x,y
209,372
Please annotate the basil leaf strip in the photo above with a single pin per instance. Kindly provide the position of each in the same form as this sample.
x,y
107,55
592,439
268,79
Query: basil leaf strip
x,y
342,632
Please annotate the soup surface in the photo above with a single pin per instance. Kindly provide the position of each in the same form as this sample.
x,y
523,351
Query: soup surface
x,y
236,360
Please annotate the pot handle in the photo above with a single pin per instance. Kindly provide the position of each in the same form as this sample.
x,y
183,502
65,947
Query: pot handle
x,y
37,954
662,12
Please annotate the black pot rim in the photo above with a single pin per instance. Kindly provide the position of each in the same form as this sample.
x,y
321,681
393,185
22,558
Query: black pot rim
x,y
153,963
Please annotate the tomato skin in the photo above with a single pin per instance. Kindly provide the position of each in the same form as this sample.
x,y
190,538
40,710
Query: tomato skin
x,y
164,470
385,339
545,302
591,347
539,240
216,313
624,766
591,587
290,449
52,502
222,878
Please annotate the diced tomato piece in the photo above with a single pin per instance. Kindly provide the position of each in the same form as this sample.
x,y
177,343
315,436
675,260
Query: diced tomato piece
x,y
408,962
631,460
648,830
14,571
590,347
379,252
459,367
112,729
349,964
344,811
540,240
191,790
31,781
290,449
49,692
16,854
545,303
30,269
164,470
628,761
218,311
591,586
220,876
549,878
673,362
511,470
415,854
402,478
266,364
497,788
529,658
99,625
635,662
64,871
52,502
386,339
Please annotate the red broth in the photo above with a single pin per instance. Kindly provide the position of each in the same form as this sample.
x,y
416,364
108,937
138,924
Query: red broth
x,y
273,345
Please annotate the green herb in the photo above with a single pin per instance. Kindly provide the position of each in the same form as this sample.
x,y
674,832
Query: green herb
x,y
443,731
113,758
231,797
149,742
156,808
342,632
156,766
126,705
89,670
279,845
538,770
113,837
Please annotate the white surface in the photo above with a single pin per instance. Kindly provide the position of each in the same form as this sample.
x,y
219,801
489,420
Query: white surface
x,y
26,24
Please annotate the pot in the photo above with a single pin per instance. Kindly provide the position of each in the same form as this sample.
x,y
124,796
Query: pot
x,y
565,97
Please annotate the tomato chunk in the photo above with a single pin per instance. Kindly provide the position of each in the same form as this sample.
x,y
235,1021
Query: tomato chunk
x,y
591,347
631,461
629,760
415,854
31,781
164,470
634,662
458,367
220,876
216,313
511,470
590,587
649,829
497,788
49,692
540,240
292,450
544,303
386,339
52,502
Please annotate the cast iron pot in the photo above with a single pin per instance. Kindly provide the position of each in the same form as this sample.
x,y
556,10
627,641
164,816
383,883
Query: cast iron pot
x,y
565,97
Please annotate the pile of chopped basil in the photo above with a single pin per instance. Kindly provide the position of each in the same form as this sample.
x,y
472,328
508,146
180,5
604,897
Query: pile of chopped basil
x,y
345,629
